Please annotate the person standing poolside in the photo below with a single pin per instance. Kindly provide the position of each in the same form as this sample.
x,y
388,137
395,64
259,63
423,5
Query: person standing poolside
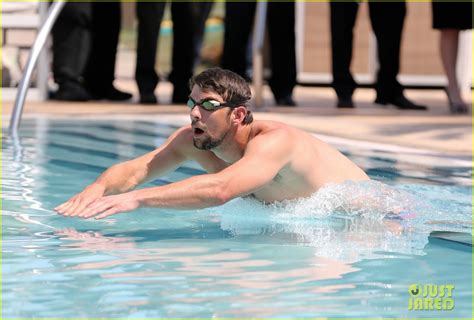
x,y
451,18
239,19
85,39
150,15
387,19
266,159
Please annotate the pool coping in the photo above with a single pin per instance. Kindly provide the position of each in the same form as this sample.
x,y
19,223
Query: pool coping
x,y
433,130
404,154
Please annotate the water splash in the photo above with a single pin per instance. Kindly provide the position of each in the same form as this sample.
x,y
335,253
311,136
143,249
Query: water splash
x,y
368,199
349,221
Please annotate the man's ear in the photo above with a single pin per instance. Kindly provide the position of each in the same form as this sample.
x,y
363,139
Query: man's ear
x,y
239,114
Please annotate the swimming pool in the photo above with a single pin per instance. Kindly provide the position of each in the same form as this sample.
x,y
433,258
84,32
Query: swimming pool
x,y
309,258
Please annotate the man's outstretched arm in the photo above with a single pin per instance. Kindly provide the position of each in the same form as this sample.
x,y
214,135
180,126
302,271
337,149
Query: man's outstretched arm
x,y
260,164
125,176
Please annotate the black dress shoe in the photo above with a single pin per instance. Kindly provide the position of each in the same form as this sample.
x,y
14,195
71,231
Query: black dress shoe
x,y
111,94
286,101
71,92
148,98
401,102
345,102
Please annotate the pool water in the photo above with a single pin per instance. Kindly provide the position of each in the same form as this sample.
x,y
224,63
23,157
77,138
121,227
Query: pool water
x,y
315,257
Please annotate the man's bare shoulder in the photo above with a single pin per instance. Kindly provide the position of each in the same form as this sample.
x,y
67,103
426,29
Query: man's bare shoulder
x,y
183,134
265,126
272,135
183,138
273,130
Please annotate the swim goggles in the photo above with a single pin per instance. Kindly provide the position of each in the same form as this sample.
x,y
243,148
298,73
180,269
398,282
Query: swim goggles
x,y
209,105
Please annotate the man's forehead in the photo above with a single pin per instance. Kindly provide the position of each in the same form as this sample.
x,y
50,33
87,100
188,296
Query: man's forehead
x,y
199,94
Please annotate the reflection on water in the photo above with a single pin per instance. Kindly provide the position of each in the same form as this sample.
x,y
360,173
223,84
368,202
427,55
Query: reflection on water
x,y
334,251
193,260
237,272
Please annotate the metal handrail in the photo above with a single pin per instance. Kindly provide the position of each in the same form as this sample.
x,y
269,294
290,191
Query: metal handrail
x,y
36,49
258,38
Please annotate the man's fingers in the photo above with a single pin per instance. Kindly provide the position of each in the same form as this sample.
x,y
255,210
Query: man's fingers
x,y
82,206
107,213
76,208
89,211
67,207
87,208
58,208
61,207
97,208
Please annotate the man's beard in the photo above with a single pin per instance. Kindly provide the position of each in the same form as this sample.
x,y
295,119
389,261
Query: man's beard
x,y
208,143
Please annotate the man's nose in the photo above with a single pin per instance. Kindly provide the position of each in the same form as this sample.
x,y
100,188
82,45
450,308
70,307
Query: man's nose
x,y
195,113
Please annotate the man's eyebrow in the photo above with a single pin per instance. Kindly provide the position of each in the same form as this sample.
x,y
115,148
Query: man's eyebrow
x,y
205,99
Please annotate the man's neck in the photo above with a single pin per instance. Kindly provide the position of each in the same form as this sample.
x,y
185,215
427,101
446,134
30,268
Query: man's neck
x,y
234,145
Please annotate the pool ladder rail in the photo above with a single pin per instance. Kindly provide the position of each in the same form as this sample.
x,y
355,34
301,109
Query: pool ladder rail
x,y
35,52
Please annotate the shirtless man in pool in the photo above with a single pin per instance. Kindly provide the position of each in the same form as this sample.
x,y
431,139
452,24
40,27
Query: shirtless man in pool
x,y
266,159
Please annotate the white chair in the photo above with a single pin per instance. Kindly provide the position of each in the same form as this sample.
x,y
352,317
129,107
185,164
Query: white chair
x,y
26,16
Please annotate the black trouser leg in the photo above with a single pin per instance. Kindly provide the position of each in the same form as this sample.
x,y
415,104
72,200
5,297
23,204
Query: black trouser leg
x,y
239,19
100,73
387,21
281,28
183,50
200,12
343,17
72,42
149,16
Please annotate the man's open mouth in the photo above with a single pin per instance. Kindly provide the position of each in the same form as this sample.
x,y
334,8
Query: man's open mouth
x,y
198,131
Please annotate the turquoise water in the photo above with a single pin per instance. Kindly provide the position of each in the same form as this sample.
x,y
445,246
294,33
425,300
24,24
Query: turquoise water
x,y
316,257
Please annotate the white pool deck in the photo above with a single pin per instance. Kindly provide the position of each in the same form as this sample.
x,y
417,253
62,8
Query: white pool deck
x,y
433,131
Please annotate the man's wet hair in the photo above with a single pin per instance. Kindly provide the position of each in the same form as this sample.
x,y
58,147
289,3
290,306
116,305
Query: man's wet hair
x,y
229,85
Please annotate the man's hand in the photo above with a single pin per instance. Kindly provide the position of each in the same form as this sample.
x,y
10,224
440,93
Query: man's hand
x,y
110,205
79,202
